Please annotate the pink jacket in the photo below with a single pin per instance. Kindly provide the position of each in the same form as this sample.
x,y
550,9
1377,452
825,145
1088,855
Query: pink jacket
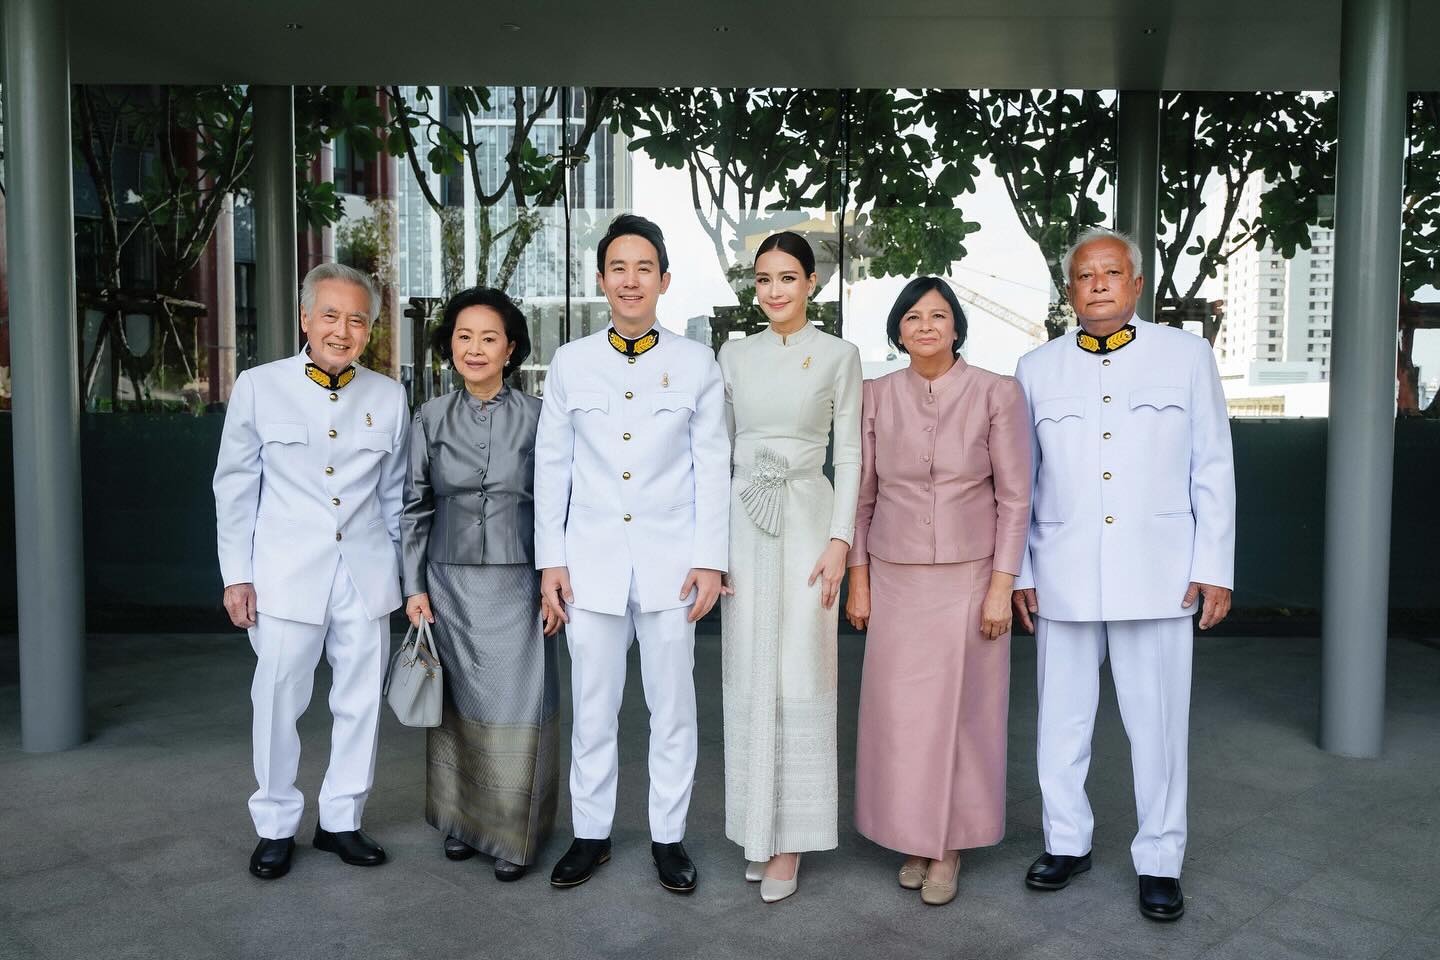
x,y
945,470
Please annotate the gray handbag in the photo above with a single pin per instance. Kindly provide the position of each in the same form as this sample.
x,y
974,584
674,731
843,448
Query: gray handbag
x,y
414,684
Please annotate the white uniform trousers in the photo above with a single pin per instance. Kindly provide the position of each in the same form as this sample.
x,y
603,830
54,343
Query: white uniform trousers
x,y
287,653
1150,664
598,643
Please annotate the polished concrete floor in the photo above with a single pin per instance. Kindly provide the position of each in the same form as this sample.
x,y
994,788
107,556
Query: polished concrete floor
x,y
135,845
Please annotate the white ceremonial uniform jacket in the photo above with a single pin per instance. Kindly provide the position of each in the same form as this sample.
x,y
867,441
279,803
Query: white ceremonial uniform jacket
x,y
1134,490
308,478
632,471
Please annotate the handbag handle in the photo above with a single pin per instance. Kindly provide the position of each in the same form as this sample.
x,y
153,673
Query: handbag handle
x,y
424,644
427,639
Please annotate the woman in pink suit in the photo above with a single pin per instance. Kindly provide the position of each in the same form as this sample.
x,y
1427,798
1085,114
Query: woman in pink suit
x,y
941,523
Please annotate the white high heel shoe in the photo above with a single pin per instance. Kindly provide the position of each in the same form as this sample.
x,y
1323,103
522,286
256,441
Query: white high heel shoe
x,y
773,891
754,871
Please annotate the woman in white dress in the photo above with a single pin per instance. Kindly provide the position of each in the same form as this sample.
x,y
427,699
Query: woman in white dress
x,y
785,389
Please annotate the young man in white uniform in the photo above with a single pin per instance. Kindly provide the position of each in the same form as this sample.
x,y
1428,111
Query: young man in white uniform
x,y
632,490
1133,520
307,506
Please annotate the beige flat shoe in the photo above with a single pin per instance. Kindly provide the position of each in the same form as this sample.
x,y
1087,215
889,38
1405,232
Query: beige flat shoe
x,y
754,871
937,893
912,873
773,891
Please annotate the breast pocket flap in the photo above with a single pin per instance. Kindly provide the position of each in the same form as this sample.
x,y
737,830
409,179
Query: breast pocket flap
x,y
1058,408
577,402
673,401
1157,397
284,433
375,439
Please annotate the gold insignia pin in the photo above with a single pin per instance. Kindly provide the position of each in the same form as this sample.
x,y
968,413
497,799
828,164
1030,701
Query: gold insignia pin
x,y
368,421
665,380
806,364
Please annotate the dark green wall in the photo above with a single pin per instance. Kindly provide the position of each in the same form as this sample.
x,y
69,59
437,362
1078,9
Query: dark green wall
x,y
150,538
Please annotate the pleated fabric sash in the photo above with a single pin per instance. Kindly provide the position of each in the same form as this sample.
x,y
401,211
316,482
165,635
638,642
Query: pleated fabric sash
x,y
763,497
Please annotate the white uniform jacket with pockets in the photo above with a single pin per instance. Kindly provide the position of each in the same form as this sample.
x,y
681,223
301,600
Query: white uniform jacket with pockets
x,y
632,471
1134,490
307,478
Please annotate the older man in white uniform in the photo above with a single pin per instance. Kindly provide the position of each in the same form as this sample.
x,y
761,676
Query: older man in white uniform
x,y
1133,521
307,505
632,490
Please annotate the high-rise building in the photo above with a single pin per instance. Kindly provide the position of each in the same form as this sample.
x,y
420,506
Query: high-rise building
x,y
1277,311
599,183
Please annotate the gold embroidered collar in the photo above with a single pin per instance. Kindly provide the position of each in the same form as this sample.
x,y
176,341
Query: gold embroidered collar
x,y
324,379
1116,340
633,348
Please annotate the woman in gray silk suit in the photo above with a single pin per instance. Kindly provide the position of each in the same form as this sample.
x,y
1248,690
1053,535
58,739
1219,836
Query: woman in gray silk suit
x,y
468,547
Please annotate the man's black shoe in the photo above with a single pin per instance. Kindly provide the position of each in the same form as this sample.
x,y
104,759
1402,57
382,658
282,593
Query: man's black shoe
x,y
457,849
1055,871
271,859
580,862
676,869
352,846
1160,898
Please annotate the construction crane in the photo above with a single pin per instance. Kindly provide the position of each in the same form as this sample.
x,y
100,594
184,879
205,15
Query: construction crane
x,y
999,311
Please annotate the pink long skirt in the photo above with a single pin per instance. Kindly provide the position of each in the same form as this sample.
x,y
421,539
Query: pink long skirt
x,y
934,698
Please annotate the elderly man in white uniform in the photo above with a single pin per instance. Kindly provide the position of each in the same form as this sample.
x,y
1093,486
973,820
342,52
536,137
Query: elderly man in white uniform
x,y
632,492
1133,521
307,504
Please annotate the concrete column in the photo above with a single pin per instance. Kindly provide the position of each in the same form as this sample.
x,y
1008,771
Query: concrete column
x,y
1360,468
45,375
1137,182
277,308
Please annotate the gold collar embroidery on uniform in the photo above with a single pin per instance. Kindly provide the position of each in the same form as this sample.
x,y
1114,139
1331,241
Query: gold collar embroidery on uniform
x,y
633,348
1116,340
324,379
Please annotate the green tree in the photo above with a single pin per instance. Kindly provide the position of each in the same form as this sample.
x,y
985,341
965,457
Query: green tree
x,y
861,156
1420,250
1054,150
198,144
1218,145
444,138
1420,245
194,146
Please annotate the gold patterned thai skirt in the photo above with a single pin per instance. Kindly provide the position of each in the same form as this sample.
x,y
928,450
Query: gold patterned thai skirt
x,y
492,766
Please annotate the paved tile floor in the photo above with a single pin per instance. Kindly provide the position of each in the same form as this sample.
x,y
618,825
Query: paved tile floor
x,y
135,845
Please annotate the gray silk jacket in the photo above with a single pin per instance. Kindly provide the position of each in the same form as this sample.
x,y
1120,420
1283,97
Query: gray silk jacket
x,y
469,493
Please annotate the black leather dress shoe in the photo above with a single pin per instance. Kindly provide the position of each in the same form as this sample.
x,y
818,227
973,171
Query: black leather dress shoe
x,y
580,862
676,869
457,849
1160,898
505,871
352,846
271,859
1055,871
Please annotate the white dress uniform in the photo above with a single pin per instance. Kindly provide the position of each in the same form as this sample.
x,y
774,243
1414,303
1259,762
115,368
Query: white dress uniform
x,y
308,490
1134,498
632,488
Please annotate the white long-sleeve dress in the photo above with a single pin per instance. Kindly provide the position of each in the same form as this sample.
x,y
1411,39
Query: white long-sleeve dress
x,y
783,396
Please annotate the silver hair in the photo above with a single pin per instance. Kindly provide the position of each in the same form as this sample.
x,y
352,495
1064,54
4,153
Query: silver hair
x,y
338,271
1104,233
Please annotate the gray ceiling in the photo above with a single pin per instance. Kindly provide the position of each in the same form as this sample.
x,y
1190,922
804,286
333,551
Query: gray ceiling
x,y
1172,44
